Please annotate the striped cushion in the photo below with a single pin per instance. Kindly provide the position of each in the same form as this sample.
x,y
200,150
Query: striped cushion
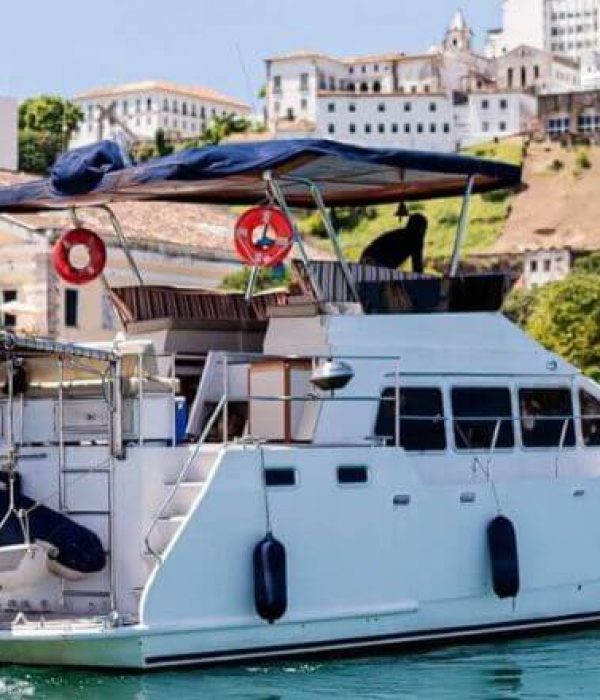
x,y
153,302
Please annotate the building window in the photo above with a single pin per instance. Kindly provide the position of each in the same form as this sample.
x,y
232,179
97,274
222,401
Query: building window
x,y
426,88
407,128
381,107
485,104
547,265
276,83
590,421
331,128
71,307
523,76
352,128
381,128
367,128
394,128
503,104
194,112
304,104
8,320
446,128
303,81
420,128
331,107
175,107
124,106
480,416
533,266
149,104
420,418
502,126
432,128
351,107
184,109
432,107
203,112
407,106
510,77
485,126
536,72
546,417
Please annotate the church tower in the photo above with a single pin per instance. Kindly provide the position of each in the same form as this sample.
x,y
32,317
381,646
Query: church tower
x,y
458,36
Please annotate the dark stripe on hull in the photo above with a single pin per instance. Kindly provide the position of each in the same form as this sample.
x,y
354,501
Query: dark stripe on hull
x,y
358,645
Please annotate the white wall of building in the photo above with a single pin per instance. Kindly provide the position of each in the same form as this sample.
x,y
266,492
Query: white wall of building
x,y
143,112
497,115
8,134
419,121
563,27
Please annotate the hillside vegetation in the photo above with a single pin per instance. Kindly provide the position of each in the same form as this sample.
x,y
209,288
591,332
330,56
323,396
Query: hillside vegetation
x,y
488,215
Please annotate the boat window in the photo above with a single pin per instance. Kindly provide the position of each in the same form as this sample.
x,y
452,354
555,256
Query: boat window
x,y
590,419
546,417
278,476
421,418
478,413
352,475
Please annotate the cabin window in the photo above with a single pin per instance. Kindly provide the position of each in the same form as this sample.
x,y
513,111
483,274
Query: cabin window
x,y
71,307
421,418
352,475
477,412
546,417
278,476
590,419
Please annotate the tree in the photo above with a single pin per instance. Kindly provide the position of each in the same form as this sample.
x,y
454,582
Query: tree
x,y
46,124
267,279
162,145
565,318
222,126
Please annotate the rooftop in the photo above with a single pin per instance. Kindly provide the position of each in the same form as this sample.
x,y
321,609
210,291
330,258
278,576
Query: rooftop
x,y
198,92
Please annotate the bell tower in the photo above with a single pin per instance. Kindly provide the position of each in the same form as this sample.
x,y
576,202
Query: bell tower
x,y
458,36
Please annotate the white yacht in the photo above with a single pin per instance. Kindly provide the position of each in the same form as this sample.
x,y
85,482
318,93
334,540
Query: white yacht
x,y
372,459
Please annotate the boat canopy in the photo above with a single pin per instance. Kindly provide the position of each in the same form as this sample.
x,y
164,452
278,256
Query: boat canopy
x,y
235,174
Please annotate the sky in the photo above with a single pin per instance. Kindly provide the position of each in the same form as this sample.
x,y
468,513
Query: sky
x,y
66,46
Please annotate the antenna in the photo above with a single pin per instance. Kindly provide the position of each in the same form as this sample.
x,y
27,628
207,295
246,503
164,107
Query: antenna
x,y
249,85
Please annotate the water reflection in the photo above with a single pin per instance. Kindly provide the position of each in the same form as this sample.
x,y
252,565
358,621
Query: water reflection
x,y
553,667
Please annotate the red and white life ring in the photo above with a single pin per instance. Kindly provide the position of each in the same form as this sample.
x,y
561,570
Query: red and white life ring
x,y
61,256
265,251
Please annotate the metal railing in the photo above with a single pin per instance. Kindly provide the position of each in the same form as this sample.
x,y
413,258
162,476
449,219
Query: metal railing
x,y
162,510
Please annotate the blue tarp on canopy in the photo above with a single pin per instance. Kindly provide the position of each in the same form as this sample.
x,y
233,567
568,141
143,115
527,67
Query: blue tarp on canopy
x,y
234,174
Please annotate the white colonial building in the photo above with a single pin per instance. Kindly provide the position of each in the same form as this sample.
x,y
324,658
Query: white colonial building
x,y
136,111
8,134
564,27
444,99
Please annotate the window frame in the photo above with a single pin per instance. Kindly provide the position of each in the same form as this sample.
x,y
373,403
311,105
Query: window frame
x,y
433,385
536,385
583,387
471,383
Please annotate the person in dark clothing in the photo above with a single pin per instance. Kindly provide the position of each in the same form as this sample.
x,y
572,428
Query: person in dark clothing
x,y
393,248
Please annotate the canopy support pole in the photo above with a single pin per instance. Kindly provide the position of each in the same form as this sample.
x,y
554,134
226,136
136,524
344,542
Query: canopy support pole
x,y
333,237
462,226
280,199
122,241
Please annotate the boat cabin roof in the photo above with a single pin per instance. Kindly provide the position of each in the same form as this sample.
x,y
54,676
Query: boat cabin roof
x,y
235,174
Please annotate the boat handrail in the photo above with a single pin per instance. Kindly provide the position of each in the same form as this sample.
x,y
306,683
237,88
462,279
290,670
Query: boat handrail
x,y
181,476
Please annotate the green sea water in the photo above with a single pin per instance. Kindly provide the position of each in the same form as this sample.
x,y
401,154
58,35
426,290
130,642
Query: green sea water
x,y
551,667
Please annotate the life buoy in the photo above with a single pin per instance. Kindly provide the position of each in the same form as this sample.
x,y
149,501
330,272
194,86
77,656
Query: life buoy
x,y
265,251
61,255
